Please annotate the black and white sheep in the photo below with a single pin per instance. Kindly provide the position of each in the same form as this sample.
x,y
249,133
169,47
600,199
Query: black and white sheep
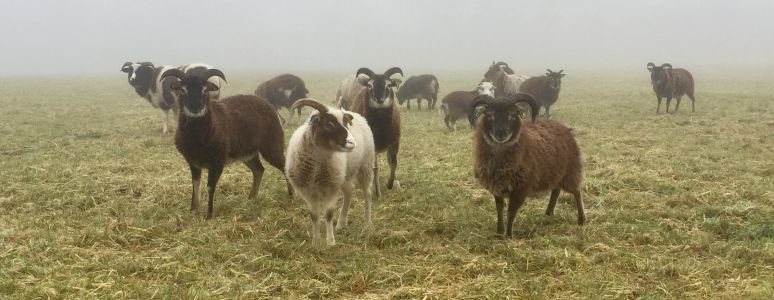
x,y
328,155
144,78
515,159
283,91
419,87
212,134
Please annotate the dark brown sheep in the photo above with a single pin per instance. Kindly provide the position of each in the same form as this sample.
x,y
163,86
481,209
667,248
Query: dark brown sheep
x,y
516,159
376,102
544,89
283,91
457,104
671,83
212,134
419,87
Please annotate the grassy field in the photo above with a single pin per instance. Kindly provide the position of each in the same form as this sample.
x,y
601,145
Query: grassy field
x,y
94,203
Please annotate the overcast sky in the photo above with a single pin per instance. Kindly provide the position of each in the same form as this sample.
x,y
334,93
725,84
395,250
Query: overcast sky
x,y
96,36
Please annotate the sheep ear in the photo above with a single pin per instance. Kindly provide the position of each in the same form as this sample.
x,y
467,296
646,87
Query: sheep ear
x,y
314,119
127,67
348,119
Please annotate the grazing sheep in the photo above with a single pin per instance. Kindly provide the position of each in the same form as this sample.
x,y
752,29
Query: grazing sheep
x,y
283,91
212,134
504,79
326,156
375,101
347,89
544,89
516,159
671,83
144,78
419,87
457,104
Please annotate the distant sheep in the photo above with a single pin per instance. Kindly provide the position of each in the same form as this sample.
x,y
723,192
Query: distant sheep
x,y
544,89
504,79
212,134
516,159
671,83
144,78
283,91
346,93
326,157
458,103
419,87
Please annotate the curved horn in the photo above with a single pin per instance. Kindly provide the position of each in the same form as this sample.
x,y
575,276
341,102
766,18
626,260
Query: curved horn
x,y
666,65
366,71
479,101
392,71
651,66
172,72
526,98
126,64
560,71
214,72
549,71
311,103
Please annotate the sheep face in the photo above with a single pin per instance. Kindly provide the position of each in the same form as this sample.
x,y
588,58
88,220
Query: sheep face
x,y
501,118
658,74
139,75
332,134
555,79
193,91
380,86
486,88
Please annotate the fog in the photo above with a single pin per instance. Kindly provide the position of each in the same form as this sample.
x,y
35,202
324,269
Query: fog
x,y
96,37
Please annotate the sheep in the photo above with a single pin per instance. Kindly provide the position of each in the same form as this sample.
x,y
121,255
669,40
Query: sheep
x,y
326,156
516,159
671,83
283,91
347,89
544,89
375,101
457,104
504,79
419,87
212,134
144,78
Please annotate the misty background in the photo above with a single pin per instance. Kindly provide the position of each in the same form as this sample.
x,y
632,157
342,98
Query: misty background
x,y
97,36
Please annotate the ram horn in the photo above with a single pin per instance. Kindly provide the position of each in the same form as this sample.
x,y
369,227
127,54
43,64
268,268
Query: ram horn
x,y
311,103
666,65
177,73
526,98
366,71
392,71
214,72
480,100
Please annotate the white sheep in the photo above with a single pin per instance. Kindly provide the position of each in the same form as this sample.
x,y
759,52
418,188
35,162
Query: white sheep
x,y
326,156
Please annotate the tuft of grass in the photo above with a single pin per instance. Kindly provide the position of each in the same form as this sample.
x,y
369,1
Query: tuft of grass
x,y
94,203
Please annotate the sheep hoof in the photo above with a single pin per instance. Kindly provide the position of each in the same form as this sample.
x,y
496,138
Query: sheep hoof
x,y
396,185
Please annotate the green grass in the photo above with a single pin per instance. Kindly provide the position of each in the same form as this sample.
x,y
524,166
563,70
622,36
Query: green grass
x,y
94,203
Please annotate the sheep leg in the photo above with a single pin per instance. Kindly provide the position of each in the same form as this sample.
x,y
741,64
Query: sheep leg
x,y
315,227
668,102
329,238
446,120
693,100
376,178
392,158
212,181
165,120
347,188
658,106
434,99
579,205
257,168
548,115
408,104
500,204
419,104
515,201
552,202
196,179
677,105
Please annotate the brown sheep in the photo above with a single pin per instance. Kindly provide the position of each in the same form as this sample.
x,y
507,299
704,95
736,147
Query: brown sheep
x,y
544,89
457,104
376,102
671,83
419,87
516,159
212,134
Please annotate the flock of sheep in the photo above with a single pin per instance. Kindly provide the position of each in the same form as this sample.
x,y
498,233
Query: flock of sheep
x,y
335,150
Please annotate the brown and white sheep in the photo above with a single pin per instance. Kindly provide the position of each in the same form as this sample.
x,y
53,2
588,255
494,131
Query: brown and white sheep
x,y
515,159
212,134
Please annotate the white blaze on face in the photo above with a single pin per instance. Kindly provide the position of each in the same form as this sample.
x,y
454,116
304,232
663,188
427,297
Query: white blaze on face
x,y
350,141
486,88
